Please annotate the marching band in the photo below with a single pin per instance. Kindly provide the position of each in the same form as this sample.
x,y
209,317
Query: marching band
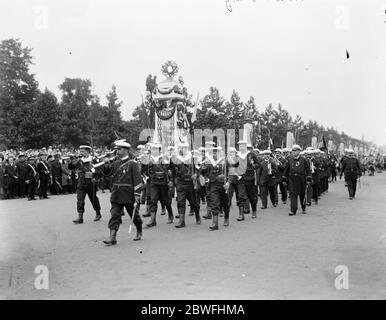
x,y
150,175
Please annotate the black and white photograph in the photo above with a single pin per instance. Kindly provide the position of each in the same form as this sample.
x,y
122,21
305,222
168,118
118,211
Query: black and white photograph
x,y
191,150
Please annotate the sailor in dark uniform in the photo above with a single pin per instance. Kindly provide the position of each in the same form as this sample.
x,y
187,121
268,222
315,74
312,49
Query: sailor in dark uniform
x,y
352,171
43,170
87,184
158,169
297,173
266,177
213,169
247,185
282,162
32,177
125,192
187,186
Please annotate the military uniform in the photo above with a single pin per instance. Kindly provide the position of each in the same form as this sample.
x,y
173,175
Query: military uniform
x,y
185,188
351,170
32,176
126,185
56,169
10,172
43,170
233,178
158,170
266,177
247,185
297,173
279,180
86,185
21,170
214,171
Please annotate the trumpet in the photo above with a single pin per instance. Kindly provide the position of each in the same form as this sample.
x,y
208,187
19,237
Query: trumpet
x,y
105,155
269,167
312,166
101,163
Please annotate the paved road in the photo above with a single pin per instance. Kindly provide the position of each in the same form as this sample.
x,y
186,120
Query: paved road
x,y
273,257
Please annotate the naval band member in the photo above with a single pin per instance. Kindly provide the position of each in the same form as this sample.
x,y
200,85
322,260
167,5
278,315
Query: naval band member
x,y
125,192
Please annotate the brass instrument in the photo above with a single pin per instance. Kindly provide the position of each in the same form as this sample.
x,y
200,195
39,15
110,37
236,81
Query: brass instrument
x,y
105,155
277,161
312,166
100,164
269,167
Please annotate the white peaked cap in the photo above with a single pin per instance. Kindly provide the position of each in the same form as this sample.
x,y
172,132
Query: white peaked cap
x,y
122,144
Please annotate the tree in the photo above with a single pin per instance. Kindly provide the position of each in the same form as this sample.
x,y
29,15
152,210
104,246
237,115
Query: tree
x,y
41,123
212,114
107,119
18,88
235,111
76,103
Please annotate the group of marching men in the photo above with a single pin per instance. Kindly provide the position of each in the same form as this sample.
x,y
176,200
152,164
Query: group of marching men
x,y
149,176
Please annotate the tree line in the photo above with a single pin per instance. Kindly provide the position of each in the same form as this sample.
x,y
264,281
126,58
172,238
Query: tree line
x,y
31,118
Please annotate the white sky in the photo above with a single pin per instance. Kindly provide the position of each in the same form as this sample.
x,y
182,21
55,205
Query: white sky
x,y
290,51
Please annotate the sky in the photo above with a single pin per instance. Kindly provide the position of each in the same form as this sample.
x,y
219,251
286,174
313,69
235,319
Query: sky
x,y
291,52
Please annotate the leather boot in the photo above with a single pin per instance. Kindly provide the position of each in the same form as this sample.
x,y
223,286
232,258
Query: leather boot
x,y
147,214
208,215
113,238
163,211
197,214
170,218
214,225
98,216
241,214
153,221
79,220
138,236
181,223
191,212
226,222
254,214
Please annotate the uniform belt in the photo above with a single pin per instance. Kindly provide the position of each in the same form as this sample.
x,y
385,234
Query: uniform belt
x,y
123,185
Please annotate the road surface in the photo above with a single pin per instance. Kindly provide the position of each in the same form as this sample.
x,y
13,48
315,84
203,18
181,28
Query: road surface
x,y
272,257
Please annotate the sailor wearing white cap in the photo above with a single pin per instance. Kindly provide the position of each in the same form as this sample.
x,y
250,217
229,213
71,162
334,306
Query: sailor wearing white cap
x,y
281,163
158,171
352,171
266,177
297,173
87,184
125,192
187,186
213,171
296,147
247,185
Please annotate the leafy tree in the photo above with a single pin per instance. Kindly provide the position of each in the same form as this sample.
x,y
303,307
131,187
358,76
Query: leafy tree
x,y
212,114
18,88
235,111
41,123
76,103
